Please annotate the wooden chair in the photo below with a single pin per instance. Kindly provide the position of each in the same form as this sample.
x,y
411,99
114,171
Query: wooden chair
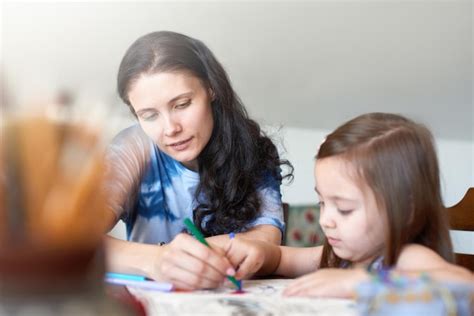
x,y
461,217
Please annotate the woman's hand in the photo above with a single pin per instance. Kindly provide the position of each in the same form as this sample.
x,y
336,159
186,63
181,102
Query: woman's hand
x,y
250,256
190,265
327,283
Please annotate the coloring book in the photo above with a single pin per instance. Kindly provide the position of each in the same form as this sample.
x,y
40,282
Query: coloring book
x,y
260,297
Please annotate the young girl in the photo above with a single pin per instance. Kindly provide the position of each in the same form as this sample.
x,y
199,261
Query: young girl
x,y
377,180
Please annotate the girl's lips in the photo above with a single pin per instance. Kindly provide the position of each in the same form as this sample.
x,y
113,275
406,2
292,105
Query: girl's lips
x,y
333,241
179,146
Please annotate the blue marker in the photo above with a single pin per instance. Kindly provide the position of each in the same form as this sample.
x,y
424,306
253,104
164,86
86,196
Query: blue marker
x,y
146,285
122,276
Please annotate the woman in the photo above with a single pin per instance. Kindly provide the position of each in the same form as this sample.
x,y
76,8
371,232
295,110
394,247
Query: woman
x,y
195,153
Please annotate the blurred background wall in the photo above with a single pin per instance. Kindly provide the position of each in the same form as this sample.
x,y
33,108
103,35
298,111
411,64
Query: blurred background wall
x,y
301,67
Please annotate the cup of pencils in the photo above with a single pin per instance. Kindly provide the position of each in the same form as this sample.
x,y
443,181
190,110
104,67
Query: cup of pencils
x,y
51,208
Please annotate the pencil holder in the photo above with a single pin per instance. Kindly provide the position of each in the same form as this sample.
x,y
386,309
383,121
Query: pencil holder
x,y
51,213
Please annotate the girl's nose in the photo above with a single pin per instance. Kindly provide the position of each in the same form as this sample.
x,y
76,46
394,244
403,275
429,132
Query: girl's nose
x,y
326,220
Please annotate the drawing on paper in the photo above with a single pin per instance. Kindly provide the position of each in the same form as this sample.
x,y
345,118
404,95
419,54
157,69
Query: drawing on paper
x,y
262,297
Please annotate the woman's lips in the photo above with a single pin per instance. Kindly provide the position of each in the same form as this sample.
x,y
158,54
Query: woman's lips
x,y
182,145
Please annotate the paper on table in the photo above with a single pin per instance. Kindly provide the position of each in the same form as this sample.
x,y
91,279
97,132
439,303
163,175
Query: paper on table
x,y
146,285
261,297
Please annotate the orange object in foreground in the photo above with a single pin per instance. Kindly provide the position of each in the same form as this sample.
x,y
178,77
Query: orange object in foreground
x,y
51,210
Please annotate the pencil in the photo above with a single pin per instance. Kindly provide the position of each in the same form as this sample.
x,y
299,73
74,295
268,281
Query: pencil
x,y
195,231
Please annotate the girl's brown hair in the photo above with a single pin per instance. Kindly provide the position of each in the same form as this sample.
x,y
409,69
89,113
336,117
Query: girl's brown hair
x,y
396,158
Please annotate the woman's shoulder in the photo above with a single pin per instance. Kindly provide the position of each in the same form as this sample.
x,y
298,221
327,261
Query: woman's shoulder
x,y
131,134
130,142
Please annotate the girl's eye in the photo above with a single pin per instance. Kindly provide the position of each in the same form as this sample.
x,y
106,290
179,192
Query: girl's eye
x,y
321,204
183,105
344,212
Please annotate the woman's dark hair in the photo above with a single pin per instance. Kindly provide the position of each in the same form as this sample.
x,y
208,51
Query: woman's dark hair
x,y
238,158
396,159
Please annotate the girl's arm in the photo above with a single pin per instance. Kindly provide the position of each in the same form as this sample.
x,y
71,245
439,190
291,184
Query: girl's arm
x,y
295,262
415,259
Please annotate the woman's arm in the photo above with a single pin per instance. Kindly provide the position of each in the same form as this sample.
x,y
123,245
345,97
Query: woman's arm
x,y
185,262
260,255
125,161
253,254
266,233
293,261
131,257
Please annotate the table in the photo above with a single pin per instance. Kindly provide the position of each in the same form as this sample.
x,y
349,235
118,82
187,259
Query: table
x,y
261,297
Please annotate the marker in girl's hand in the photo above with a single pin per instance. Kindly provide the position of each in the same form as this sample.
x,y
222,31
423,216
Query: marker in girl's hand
x,y
196,233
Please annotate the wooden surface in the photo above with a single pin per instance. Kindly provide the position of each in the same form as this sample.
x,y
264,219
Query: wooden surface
x,y
461,217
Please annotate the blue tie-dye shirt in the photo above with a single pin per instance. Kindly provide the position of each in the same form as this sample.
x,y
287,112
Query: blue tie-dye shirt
x,y
163,194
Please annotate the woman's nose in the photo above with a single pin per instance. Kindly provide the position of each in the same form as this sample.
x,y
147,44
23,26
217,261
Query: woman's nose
x,y
171,126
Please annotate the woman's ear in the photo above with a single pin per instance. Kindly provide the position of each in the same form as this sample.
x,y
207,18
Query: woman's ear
x,y
212,94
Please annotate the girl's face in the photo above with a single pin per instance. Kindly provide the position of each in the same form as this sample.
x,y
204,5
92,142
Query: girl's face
x,y
353,225
174,110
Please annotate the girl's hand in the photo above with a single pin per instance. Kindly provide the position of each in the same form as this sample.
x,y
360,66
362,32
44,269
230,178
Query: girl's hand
x,y
327,283
190,265
252,256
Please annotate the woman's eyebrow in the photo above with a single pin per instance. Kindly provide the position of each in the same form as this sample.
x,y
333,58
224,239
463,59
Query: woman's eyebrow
x,y
174,99
179,96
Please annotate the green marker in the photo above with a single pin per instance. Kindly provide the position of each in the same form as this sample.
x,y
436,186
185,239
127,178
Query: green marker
x,y
195,231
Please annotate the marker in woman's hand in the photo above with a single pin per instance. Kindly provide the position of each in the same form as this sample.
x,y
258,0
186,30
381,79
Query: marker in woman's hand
x,y
196,233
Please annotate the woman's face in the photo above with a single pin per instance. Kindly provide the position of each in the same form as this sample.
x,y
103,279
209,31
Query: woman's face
x,y
174,110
